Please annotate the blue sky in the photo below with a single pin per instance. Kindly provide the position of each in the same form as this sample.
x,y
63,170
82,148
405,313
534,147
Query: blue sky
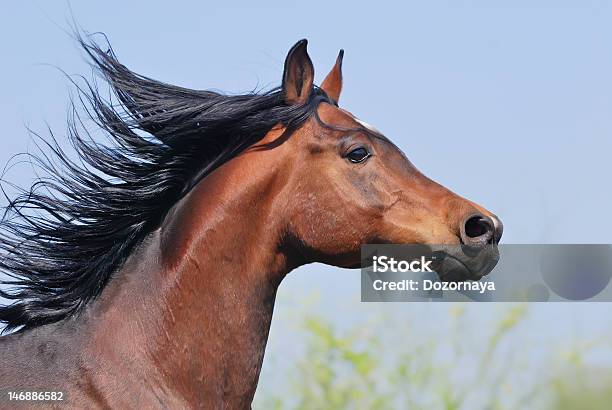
x,y
510,106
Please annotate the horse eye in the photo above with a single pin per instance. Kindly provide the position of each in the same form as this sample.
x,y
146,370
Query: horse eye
x,y
358,155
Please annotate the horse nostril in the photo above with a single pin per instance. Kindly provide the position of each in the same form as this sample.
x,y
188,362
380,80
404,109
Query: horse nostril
x,y
498,229
476,226
478,230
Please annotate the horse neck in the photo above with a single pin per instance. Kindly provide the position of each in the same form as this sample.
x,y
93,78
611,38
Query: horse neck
x,y
196,301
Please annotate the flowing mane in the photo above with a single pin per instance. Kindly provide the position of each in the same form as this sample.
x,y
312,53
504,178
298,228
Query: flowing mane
x,y
63,239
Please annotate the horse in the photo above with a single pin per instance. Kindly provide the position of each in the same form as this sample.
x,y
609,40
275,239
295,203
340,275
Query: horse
x,y
144,272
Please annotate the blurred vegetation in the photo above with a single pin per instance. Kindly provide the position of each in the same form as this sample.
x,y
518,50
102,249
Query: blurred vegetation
x,y
365,367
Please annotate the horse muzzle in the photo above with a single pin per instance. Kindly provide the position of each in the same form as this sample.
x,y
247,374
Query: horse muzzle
x,y
457,263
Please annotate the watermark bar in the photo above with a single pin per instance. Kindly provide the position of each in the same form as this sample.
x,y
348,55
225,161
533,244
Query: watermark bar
x,y
504,273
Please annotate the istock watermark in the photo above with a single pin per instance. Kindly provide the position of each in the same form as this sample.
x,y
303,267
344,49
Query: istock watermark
x,y
504,273
387,264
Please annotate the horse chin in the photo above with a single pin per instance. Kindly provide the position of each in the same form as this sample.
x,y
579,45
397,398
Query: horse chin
x,y
353,265
461,263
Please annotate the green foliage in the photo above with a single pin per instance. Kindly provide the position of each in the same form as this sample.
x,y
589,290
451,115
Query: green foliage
x,y
383,365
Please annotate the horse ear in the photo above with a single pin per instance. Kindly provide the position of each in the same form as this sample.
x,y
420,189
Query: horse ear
x,y
332,85
298,76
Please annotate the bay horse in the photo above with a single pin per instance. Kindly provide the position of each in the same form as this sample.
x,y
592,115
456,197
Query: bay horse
x,y
143,274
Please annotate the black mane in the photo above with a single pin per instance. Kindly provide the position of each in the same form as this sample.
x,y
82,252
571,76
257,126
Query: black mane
x,y
62,240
